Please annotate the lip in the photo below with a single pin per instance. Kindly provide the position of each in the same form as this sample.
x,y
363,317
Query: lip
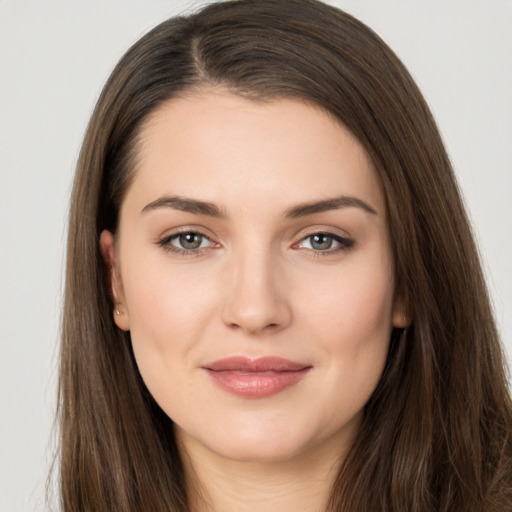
x,y
256,378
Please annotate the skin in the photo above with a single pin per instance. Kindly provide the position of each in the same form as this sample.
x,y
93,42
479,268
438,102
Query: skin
x,y
257,286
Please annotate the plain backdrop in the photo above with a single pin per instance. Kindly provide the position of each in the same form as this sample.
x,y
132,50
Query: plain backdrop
x,y
54,59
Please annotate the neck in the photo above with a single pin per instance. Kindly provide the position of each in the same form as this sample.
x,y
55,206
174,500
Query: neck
x,y
217,484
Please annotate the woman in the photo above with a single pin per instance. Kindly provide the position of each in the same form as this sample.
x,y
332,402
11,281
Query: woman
x,y
273,297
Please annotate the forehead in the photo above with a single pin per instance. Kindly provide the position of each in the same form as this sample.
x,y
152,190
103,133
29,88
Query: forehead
x,y
218,146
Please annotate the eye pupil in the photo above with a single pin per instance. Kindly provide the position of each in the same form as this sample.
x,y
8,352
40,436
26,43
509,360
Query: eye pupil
x,y
321,242
190,240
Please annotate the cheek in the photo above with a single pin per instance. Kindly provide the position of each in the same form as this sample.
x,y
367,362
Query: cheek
x,y
169,313
352,323
356,305
162,300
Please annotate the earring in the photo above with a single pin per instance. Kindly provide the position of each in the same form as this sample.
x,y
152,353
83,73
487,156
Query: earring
x,y
118,312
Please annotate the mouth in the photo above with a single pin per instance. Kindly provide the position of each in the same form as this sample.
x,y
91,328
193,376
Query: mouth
x,y
256,378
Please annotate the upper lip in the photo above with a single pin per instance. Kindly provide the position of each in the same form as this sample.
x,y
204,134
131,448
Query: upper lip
x,y
261,364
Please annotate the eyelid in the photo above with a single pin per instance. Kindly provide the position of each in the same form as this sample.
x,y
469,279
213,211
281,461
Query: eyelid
x,y
188,228
323,228
345,241
164,241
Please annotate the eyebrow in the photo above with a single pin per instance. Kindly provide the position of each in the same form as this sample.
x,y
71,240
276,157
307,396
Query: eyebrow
x,y
186,205
212,210
335,203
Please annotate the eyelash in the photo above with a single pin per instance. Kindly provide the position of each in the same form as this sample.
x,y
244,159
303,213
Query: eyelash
x,y
345,244
165,242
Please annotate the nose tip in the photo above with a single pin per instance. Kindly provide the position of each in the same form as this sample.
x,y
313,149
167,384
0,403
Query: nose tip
x,y
256,302
253,324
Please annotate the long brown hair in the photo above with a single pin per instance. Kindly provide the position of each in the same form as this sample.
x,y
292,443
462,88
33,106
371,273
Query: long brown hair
x,y
436,434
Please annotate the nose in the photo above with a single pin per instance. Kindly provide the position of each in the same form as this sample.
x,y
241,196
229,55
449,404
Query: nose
x,y
256,299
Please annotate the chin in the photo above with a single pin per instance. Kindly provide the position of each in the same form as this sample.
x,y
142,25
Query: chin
x,y
253,441
258,449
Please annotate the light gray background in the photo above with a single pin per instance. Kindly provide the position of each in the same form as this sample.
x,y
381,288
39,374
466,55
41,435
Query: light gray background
x,y
54,58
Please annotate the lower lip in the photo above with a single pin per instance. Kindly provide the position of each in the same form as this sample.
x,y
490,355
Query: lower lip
x,y
256,384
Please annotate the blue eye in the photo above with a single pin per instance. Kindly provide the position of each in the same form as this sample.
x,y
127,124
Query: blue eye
x,y
189,241
186,242
325,242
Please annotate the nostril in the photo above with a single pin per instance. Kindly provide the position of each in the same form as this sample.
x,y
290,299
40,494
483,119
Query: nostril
x,y
268,328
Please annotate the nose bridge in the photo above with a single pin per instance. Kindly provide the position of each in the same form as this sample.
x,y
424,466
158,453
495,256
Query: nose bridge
x,y
255,299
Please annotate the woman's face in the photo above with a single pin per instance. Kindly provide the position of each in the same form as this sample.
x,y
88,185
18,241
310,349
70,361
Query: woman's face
x,y
254,273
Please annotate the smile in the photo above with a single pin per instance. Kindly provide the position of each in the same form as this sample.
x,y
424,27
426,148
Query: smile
x,y
256,378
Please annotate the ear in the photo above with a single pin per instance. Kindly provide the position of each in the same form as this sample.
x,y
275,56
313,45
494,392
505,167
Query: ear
x,y
401,315
108,251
